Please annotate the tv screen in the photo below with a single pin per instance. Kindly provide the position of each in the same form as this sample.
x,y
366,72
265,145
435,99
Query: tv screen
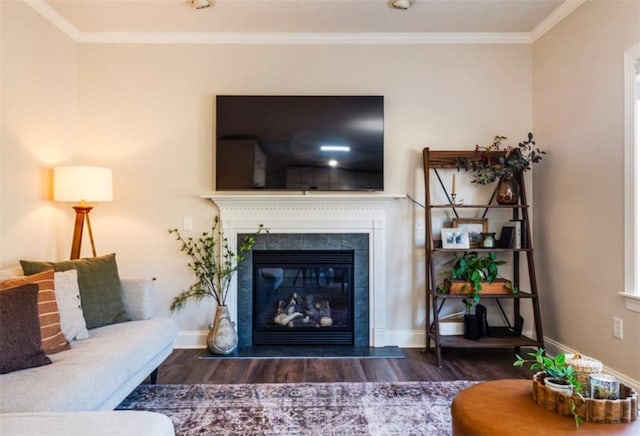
x,y
302,143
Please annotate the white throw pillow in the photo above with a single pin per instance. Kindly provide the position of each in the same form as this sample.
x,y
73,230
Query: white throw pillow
x,y
10,273
68,297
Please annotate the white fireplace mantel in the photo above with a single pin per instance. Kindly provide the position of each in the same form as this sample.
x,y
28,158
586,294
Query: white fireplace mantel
x,y
269,200
315,213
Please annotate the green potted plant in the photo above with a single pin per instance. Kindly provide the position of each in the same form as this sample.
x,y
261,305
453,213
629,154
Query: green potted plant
x,y
471,273
213,263
497,163
559,376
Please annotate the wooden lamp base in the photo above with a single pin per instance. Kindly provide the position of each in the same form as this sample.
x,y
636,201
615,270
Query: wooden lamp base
x,y
81,213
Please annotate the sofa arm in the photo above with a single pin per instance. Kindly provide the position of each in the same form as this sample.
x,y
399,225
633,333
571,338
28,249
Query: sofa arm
x,y
137,296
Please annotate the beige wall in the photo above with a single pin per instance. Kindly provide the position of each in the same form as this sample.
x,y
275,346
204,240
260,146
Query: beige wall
x,y
39,94
148,111
578,117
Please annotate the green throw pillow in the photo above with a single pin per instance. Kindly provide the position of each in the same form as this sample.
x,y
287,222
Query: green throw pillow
x,y
99,283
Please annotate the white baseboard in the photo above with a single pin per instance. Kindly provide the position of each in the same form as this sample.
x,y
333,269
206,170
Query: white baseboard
x,y
406,338
554,347
400,338
191,339
418,339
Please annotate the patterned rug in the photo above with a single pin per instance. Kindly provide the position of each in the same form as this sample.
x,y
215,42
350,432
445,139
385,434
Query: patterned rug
x,y
408,408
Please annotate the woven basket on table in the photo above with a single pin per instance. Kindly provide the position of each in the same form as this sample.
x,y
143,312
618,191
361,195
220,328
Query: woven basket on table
x,y
583,366
624,410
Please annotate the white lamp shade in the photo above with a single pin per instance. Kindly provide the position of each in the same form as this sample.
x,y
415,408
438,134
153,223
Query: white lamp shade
x,y
80,183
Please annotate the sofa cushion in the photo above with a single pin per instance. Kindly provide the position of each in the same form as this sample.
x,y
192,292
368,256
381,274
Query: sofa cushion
x,y
51,335
99,283
20,329
120,423
10,273
72,320
138,297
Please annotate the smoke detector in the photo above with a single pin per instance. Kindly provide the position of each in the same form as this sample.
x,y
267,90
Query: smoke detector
x,y
200,4
401,4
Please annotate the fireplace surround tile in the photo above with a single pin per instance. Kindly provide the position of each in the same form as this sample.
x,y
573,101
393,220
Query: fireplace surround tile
x,y
323,241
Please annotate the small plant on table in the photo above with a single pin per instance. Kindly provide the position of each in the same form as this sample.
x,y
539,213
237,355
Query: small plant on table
x,y
559,371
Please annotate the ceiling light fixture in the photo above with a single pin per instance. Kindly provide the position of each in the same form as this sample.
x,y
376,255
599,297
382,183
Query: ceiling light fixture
x,y
401,4
200,4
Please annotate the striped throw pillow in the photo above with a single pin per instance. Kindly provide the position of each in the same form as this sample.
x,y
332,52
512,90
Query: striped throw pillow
x,y
53,339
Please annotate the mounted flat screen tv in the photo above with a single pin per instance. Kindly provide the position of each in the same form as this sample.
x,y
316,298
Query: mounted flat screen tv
x,y
299,143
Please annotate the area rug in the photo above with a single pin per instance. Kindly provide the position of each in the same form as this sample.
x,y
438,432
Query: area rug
x,y
407,408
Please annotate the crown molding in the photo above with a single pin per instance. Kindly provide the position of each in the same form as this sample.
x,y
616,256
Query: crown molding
x,y
554,18
302,38
50,14
46,11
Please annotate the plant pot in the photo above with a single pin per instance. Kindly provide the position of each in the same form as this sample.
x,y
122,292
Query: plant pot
x,y
488,239
222,337
508,191
472,327
558,385
498,286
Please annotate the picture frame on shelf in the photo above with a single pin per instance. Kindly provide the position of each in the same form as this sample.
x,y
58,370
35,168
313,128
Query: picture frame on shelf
x,y
455,238
474,227
507,237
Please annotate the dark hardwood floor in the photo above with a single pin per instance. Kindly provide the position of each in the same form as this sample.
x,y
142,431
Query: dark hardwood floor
x,y
184,367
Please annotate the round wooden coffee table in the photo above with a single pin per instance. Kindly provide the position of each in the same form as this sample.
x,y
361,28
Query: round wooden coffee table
x,y
506,407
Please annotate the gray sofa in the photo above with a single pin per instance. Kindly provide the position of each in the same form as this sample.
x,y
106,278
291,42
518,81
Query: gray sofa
x,y
96,374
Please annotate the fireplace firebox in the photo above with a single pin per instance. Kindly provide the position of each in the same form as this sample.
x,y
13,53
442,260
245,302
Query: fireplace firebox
x,y
303,297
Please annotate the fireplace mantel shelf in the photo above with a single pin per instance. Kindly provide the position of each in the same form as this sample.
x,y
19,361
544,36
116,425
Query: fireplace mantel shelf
x,y
301,198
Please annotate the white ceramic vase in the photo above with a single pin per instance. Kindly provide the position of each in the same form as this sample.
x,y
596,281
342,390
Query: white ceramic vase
x,y
222,337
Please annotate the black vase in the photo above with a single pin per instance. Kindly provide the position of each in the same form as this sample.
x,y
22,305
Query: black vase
x,y
472,327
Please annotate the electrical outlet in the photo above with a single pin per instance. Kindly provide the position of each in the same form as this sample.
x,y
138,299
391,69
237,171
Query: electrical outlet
x,y
617,328
187,223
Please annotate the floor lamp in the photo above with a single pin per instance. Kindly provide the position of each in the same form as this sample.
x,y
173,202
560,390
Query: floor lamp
x,y
82,184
